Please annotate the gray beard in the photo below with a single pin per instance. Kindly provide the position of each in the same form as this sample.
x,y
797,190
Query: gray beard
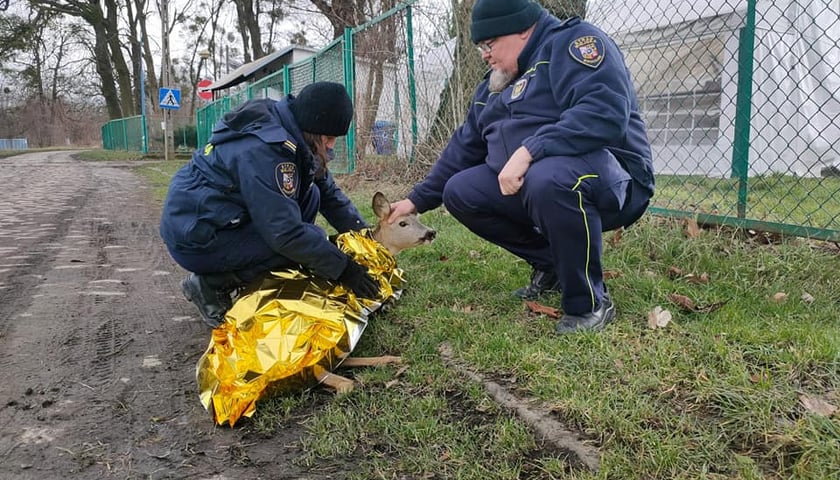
x,y
499,79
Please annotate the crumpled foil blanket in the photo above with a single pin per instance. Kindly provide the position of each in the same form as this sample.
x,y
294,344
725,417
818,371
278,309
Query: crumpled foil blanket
x,y
290,331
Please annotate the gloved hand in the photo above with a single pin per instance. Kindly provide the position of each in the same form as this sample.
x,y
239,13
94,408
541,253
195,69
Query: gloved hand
x,y
357,279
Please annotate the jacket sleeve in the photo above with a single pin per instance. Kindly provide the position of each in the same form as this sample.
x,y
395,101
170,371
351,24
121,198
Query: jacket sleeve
x,y
278,217
339,211
595,102
466,148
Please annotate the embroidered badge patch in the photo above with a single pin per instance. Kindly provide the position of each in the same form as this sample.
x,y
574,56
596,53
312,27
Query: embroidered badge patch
x,y
286,176
588,50
519,88
207,149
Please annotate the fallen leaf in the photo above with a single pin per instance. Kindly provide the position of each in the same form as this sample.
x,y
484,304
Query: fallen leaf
x,y
462,309
817,405
710,307
542,309
688,304
610,274
674,272
658,318
692,229
807,297
780,297
391,383
702,278
682,301
616,237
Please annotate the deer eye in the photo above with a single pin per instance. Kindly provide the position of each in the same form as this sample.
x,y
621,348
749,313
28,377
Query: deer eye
x,y
403,224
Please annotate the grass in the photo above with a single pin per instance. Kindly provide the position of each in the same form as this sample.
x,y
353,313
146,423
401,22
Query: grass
x,y
726,393
772,198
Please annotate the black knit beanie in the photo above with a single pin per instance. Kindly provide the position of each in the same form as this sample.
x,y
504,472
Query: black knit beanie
x,y
323,108
494,18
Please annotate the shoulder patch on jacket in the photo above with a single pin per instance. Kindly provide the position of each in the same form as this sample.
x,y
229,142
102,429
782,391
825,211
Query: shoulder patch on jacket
x,y
286,176
588,50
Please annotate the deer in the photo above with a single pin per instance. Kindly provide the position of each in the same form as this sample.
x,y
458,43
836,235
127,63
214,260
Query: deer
x,y
405,232
232,338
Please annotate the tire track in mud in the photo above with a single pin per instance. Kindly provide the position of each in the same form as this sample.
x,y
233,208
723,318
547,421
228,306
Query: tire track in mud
x,y
97,346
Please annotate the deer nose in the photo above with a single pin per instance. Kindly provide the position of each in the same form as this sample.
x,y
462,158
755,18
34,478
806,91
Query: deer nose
x,y
430,235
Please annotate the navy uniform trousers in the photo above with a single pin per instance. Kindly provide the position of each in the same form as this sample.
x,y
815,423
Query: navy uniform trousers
x,y
242,250
556,219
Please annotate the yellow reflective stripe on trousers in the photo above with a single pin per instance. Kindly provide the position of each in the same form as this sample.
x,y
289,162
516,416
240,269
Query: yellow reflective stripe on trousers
x,y
588,235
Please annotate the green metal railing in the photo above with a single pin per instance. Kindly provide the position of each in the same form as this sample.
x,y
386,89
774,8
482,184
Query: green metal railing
x,y
741,99
375,63
125,134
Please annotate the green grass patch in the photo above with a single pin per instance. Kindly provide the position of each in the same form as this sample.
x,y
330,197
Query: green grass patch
x,y
772,198
718,394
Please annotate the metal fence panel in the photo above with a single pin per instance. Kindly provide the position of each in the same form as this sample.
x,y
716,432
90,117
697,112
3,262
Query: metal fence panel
x,y
741,101
14,144
742,104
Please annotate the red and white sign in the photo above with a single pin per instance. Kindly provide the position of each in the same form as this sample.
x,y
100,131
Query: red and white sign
x,y
202,90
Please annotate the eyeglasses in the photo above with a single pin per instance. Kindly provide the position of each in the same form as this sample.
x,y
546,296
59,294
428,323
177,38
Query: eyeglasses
x,y
485,46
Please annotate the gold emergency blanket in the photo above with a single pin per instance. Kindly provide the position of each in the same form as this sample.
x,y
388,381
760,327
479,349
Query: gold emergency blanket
x,y
290,331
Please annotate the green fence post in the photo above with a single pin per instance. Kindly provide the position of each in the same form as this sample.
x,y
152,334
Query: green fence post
x,y
145,145
412,92
287,81
348,84
743,108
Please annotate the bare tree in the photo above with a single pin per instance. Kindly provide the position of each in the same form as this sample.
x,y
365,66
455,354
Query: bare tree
x,y
108,54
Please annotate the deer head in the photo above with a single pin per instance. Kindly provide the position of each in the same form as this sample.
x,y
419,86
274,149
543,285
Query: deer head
x,y
405,232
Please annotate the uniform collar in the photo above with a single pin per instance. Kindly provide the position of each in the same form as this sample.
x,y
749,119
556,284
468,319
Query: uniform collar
x,y
546,24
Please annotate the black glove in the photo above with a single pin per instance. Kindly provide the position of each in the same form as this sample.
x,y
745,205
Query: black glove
x,y
356,277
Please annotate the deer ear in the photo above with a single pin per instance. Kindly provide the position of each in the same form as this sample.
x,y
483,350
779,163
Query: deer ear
x,y
381,205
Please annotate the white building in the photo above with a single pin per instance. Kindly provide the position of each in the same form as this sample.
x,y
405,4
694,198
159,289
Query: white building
x,y
684,56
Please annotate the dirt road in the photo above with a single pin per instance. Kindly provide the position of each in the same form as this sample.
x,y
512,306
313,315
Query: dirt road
x,y
97,347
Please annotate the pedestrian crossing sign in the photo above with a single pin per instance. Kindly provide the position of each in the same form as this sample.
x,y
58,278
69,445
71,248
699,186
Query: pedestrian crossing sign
x,y
170,98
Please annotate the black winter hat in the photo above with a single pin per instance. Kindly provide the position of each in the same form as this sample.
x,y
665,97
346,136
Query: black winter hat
x,y
323,108
494,18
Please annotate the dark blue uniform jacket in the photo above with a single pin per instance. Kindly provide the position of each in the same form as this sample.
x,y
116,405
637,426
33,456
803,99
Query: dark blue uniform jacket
x,y
258,168
563,104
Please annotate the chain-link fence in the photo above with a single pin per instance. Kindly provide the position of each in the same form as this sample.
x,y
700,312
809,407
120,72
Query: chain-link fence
x,y
741,100
374,61
742,104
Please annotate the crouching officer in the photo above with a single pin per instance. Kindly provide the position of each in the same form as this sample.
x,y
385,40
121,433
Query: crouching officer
x,y
246,202
553,152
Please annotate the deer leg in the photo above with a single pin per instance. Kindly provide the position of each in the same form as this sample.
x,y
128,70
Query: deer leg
x,y
336,382
371,361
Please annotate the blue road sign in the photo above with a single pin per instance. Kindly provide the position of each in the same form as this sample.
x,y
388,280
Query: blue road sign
x,y
170,98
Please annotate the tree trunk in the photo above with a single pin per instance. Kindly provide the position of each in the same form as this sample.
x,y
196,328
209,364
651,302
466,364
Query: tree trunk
x,y
117,57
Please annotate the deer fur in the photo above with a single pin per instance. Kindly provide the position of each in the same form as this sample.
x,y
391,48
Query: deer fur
x,y
404,233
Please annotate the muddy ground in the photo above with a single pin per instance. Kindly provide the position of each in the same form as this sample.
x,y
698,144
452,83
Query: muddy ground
x,y
97,346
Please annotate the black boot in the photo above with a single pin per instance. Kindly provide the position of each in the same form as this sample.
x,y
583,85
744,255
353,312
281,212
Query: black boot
x,y
597,320
211,294
541,282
